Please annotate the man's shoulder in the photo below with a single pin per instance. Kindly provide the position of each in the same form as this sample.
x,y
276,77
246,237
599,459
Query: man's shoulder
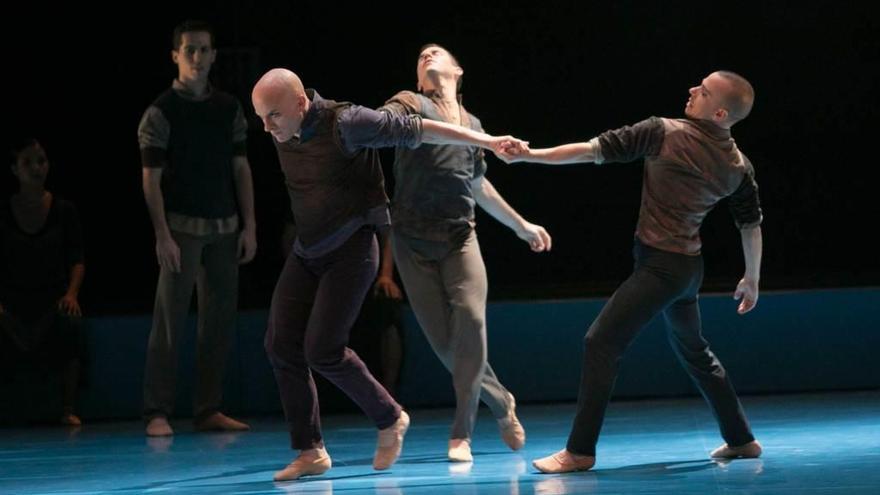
x,y
651,124
164,98
406,95
670,125
412,101
744,162
326,105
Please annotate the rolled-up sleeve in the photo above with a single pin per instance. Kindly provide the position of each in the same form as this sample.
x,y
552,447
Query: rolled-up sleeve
x,y
403,103
154,132
631,142
744,203
361,127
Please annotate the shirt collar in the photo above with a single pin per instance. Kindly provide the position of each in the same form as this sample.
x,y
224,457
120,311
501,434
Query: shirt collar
x,y
184,91
310,121
711,129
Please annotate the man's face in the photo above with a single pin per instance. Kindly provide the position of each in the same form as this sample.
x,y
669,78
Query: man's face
x,y
194,57
438,61
281,110
31,165
706,101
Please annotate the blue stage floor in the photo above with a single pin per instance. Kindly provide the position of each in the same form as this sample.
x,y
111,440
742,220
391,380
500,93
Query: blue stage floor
x,y
813,444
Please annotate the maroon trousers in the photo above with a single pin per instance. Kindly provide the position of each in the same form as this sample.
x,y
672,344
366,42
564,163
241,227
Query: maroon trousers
x,y
314,307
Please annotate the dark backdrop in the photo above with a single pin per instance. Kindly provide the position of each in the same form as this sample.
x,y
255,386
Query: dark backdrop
x,y
551,72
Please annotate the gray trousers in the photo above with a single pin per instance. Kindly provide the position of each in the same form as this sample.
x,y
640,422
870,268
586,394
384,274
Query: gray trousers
x,y
211,263
447,291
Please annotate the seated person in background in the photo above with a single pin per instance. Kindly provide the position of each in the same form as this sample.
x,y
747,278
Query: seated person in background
x,y
41,271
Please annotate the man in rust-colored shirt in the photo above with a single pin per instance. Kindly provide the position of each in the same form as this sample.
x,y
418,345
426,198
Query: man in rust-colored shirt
x,y
690,165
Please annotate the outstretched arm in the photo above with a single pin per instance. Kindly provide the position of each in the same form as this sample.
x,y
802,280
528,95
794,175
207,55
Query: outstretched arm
x,y
436,132
361,127
622,145
559,155
490,200
747,289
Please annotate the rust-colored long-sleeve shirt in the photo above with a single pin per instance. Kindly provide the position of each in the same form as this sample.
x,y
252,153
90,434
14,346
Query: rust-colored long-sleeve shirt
x,y
690,166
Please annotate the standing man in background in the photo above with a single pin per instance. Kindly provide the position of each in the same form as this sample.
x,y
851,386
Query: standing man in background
x,y
198,188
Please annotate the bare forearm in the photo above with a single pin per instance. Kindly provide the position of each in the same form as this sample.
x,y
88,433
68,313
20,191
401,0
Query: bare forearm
x,y
435,132
244,186
490,200
752,243
77,273
386,267
563,154
155,204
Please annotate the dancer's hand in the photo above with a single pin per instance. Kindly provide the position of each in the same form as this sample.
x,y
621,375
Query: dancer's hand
x,y
747,290
69,305
538,238
247,245
168,254
513,153
387,287
509,144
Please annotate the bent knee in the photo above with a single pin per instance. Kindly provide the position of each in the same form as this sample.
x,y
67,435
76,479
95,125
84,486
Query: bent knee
x,y
323,358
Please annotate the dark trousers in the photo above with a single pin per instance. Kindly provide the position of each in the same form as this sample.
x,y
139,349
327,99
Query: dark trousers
x,y
667,283
314,307
47,340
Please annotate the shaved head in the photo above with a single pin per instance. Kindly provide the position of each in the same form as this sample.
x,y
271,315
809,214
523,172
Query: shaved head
x,y
280,100
739,97
279,80
723,97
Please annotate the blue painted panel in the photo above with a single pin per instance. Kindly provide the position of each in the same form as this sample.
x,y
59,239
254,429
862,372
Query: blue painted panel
x,y
793,341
